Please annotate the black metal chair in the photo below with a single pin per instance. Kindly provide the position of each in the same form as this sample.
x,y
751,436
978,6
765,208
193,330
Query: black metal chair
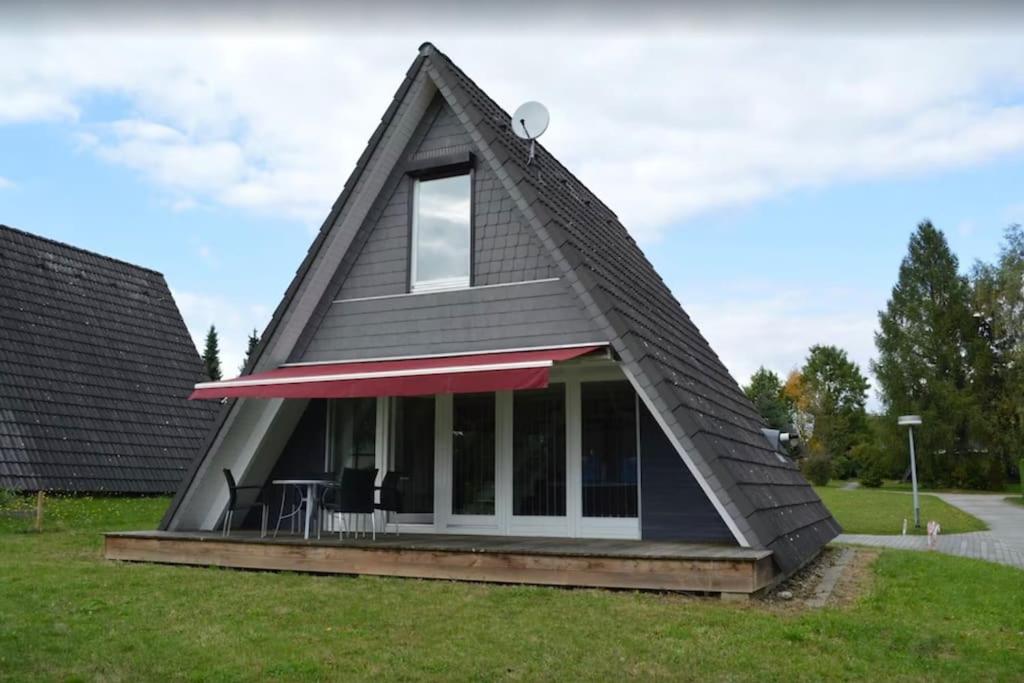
x,y
352,496
247,502
390,498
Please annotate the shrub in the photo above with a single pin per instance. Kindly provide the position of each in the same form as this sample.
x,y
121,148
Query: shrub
x,y
843,467
818,468
871,475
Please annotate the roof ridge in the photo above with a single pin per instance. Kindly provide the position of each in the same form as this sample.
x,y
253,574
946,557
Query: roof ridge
x,y
429,49
80,250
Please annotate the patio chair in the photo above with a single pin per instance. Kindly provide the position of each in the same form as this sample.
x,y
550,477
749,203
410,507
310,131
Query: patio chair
x,y
248,501
352,496
390,498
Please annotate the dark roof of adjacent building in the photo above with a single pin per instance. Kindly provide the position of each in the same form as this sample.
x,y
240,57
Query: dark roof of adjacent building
x,y
95,367
763,492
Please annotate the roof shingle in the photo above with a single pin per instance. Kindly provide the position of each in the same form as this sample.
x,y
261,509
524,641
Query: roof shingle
x,y
95,368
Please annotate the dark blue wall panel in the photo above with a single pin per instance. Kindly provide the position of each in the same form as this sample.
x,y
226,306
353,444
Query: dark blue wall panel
x,y
673,506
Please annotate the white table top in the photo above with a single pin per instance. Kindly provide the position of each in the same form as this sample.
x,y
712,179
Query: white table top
x,y
303,481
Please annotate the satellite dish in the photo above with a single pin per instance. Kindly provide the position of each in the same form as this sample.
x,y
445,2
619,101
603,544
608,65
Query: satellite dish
x,y
530,120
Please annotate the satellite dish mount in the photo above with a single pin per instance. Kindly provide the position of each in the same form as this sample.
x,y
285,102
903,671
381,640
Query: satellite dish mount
x,y
529,122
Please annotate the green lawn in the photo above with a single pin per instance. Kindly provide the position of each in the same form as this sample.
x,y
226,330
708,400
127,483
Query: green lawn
x,y
66,614
1016,500
872,511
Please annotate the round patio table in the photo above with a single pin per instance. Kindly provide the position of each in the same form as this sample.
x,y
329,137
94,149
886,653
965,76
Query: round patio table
x,y
310,498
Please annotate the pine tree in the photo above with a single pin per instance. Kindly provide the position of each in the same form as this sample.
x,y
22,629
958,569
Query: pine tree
x,y
254,341
765,392
925,344
211,355
997,359
835,393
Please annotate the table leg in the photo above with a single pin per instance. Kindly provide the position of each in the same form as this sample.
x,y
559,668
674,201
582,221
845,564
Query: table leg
x,y
310,491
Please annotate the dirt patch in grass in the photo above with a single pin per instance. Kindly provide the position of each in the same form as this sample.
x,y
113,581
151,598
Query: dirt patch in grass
x,y
855,581
803,584
857,578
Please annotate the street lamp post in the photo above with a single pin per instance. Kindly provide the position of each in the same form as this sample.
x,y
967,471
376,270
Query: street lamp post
x,y
911,421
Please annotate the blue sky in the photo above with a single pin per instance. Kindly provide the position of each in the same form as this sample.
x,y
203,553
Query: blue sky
x,y
774,185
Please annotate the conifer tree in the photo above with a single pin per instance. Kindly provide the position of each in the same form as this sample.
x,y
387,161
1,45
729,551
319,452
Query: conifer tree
x,y
211,355
997,361
926,341
254,341
765,392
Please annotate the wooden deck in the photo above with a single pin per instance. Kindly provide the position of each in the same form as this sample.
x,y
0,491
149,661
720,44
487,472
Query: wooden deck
x,y
644,565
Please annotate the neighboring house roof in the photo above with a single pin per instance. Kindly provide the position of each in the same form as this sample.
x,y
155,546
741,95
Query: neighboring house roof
x,y
95,367
763,496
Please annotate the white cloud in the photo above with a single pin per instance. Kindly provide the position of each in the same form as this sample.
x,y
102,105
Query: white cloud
x,y
234,322
183,204
661,127
748,330
5,183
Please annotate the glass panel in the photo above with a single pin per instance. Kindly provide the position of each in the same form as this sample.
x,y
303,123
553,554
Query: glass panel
x,y
609,449
473,454
413,430
354,433
442,232
538,452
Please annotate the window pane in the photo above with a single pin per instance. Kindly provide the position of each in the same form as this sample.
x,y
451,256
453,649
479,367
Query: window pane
x,y
538,445
354,433
414,452
609,449
473,454
442,229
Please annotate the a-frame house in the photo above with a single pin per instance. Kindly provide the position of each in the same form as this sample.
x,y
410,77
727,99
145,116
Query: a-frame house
x,y
478,322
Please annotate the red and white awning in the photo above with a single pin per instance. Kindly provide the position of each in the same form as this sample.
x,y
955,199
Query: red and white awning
x,y
468,373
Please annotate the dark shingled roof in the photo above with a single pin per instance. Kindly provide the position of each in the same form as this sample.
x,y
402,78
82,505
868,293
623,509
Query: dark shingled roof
x,y
95,368
769,499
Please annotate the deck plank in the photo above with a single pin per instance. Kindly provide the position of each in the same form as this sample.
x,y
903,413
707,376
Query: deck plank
x,y
601,563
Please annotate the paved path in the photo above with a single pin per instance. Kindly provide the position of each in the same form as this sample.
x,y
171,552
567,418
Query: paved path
x,y
1003,543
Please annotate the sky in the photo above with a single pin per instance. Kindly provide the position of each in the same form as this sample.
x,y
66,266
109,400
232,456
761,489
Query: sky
x,y
771,166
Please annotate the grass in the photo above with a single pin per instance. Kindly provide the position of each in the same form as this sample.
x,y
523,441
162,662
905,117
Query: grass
x,y
1016,500
873,511
66,614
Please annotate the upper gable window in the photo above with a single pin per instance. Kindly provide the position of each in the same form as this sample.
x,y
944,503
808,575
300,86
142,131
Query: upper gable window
x,y
441,233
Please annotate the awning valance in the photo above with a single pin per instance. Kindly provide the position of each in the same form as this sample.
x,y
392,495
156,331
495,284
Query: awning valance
x,y
465,373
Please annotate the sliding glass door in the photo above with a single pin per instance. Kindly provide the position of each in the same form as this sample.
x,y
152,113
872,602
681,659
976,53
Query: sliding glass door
x,y
473,459
538,456
559,461
353,430
609,450
412,457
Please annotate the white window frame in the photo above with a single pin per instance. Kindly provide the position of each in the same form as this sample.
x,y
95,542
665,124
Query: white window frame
x,y
462,282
